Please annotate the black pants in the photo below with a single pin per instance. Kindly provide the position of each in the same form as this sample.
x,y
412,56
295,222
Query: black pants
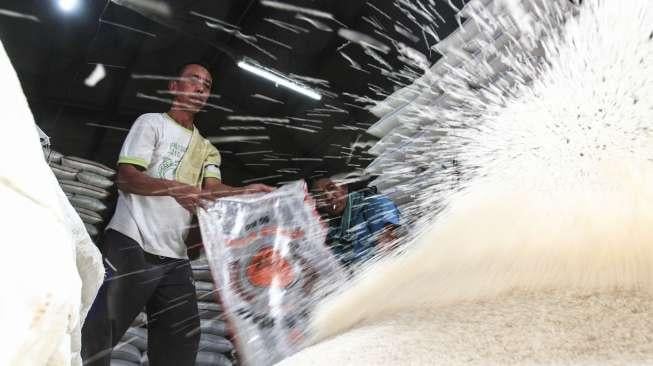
x,y
164,286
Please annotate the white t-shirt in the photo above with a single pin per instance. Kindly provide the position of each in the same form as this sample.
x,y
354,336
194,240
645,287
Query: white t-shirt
x,y
158,223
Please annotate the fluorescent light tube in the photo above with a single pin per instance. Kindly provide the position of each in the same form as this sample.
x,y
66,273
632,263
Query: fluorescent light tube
x,y
279,80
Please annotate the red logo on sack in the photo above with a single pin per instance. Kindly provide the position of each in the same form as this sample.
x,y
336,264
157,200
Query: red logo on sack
x,y
267,269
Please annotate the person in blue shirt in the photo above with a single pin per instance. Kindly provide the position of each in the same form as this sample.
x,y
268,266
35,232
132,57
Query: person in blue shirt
x,y
362,223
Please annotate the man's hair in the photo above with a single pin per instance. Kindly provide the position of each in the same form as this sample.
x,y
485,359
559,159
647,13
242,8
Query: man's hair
x,y
351,186
311,181
180,69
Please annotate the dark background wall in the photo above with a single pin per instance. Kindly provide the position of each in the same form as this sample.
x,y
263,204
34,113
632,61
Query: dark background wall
x,y
54,55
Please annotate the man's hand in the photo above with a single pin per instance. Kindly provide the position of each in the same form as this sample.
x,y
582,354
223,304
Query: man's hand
x,y
214,189
186,195
387,238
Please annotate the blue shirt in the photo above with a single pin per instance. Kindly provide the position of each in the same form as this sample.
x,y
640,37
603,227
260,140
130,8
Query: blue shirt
x,y
354,237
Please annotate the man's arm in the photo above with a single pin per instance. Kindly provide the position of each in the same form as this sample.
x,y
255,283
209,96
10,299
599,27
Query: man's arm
x,y
384,220
213,188
132,180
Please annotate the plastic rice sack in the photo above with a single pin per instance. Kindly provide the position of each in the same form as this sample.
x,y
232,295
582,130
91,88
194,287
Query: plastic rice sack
x,y
271,266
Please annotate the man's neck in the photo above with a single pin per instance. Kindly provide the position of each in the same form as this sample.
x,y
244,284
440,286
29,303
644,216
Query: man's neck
x,y
184,118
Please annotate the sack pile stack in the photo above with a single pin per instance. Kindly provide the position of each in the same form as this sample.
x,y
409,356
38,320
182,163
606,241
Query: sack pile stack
x,y
215,348
88,186
132,349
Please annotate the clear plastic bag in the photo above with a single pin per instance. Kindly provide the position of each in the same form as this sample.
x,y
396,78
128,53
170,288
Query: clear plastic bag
x,y
271,267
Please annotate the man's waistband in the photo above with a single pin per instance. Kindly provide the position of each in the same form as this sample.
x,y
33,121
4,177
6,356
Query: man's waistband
x,y
159,259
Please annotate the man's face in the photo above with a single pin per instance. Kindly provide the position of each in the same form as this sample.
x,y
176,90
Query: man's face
x,y
192,89
331,198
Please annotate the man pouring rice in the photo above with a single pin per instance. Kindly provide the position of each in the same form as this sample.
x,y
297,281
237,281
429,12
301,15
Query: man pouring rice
x,y
165,168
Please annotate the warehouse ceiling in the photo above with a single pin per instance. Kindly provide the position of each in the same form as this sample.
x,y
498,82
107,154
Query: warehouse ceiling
x,y
266,133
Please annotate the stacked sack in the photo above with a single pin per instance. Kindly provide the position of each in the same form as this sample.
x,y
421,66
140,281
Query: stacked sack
x,y
215,349
131,350
88,186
